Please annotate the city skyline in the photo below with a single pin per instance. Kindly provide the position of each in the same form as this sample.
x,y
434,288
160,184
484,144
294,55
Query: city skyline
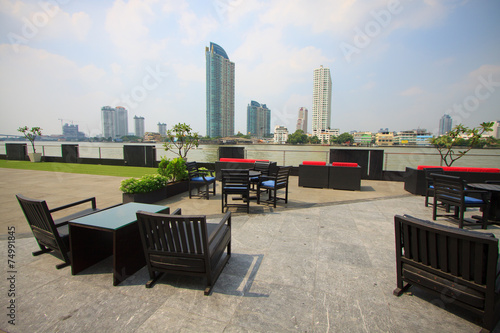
x,y
395,64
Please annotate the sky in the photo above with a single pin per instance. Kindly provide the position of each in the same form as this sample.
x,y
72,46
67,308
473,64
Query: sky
x,y
396,64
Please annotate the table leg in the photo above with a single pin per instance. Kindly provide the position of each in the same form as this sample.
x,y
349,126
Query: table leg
x,y
88,247
128,252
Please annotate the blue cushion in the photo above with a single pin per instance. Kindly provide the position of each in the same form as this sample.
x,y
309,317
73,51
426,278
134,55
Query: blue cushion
x,y
268,183
200,179
471,200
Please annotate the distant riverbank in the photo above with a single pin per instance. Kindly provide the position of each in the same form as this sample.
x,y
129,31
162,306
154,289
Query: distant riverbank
x,y
395,158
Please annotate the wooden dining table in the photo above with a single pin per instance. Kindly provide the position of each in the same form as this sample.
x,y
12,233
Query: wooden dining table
x,y
494,189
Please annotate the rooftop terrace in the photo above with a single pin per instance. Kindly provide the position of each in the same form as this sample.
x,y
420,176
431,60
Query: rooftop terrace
x,y
323,263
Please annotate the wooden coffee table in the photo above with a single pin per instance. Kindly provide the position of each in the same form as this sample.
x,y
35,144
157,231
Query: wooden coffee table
x,y
113,231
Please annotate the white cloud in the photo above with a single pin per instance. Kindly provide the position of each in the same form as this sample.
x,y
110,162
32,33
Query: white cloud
x,y
195,28
128,27
412,91
45,21
56,86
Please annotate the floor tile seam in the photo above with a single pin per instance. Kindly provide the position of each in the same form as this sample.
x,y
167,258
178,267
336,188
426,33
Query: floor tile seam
x,y
166,307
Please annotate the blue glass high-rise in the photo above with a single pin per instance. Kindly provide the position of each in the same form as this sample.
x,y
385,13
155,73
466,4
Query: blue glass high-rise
x,y
220,92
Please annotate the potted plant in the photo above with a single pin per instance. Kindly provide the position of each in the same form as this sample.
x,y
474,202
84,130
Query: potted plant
x,y
31,135
176,172
147,189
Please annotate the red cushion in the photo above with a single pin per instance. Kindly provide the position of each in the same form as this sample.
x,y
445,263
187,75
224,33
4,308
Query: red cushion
x,y
313,163
345,164
461,169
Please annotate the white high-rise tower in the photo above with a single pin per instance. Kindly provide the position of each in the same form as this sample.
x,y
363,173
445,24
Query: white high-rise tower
x,y
322,100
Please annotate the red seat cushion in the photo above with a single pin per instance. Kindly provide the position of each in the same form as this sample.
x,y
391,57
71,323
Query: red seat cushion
x,y
345,164
313,163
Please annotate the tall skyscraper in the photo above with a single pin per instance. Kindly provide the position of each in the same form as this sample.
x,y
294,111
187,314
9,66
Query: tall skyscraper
x,y
445,124
162,129
220,92
139,126
121,121
114,122
302,120
322,100
108,122
258,119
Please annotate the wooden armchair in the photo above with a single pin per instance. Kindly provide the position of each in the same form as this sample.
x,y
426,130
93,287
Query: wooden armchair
x,y
275,183
235,182
52,236
200,178
429,182
263,167
450,190
456,264
185,245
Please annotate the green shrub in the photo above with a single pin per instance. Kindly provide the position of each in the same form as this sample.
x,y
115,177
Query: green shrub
x,y
173,170
145,184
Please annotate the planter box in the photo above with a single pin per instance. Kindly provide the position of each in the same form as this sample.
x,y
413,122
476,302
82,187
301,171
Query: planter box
x,y
415,179
169,191
35,157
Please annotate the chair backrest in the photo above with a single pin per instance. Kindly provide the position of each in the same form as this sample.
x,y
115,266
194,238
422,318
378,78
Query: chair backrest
x,y
174,234
282,176
429,171
448,187
235,178
465,254
192,169
263,167
40,220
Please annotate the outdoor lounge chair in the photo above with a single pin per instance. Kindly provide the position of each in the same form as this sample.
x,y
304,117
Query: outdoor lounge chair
x,y
458,266
235,182
52,236
187,245
263,167
199,179
450,190
275,183
429,186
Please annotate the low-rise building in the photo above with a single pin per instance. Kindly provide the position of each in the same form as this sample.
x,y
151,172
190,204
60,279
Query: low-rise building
x,y
280,134
327,134
362,138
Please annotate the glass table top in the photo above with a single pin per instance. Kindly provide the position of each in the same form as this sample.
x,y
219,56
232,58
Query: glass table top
x,y
116,217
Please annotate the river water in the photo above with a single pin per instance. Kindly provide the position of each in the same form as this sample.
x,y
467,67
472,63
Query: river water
x,y
395,158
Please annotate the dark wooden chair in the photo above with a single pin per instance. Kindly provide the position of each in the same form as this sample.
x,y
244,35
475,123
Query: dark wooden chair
x,y
275,183
236,182
460,265
429,184
52,235
263,167
187,245
450,190
199,179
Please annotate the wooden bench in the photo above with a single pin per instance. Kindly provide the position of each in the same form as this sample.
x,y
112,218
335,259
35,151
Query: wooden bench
x,y
458,265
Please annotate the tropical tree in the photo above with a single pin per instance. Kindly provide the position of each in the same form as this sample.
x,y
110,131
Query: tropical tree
x,y
31,134
447,142
314,140
298,137
180,140
345,138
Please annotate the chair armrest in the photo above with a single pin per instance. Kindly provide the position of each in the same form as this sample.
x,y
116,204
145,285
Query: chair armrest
x,y
206,172
94,206
486,195
266,177
226,218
